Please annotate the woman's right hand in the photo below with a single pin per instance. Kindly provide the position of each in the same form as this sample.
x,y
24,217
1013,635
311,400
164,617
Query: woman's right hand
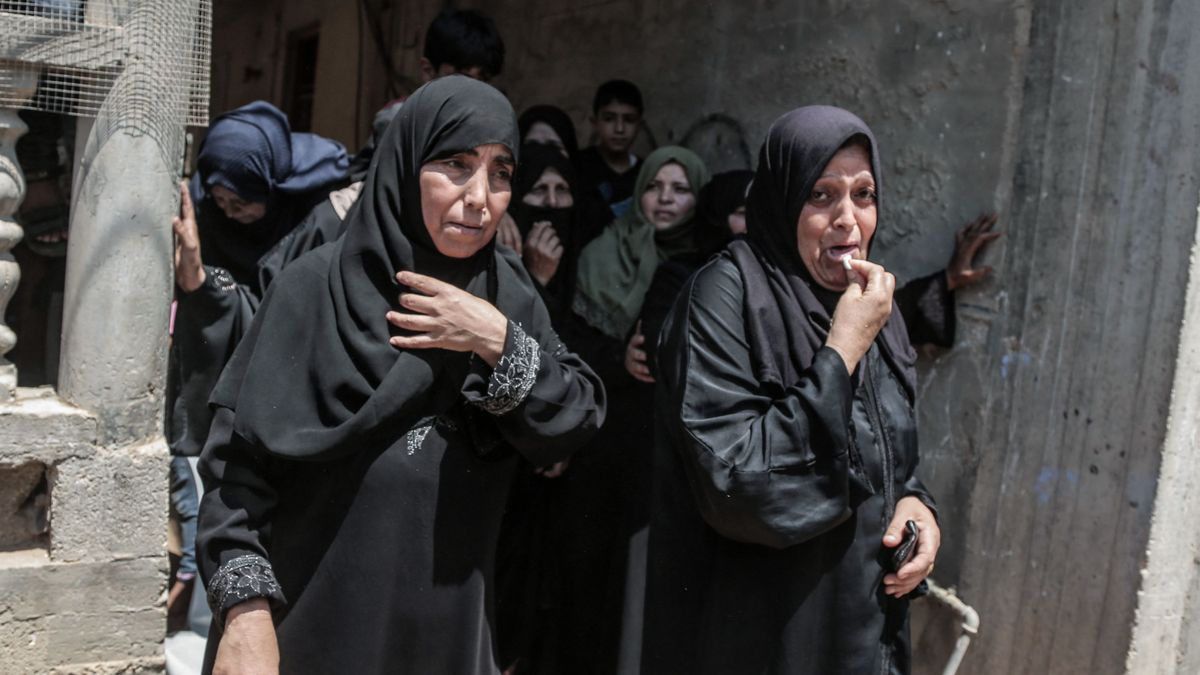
x,y
248,645
543,252
189,268
861,312
636,359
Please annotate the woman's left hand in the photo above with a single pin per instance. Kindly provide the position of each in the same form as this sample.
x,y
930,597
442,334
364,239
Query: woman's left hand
x,y
929,540
448,317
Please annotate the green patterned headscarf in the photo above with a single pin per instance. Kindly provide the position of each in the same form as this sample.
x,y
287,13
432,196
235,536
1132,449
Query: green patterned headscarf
x,y
616,268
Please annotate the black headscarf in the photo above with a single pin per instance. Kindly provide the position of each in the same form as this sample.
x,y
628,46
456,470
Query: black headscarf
x,y
315,377
558,120
781,298
722,196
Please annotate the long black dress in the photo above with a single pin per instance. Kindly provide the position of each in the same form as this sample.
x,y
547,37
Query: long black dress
x,y
359,487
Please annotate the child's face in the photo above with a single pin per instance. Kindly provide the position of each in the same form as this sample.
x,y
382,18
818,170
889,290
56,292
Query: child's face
x,y
617,125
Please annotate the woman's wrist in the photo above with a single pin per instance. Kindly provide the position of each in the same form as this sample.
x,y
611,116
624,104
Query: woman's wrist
x,y
491,344
254,609
190,280
848,357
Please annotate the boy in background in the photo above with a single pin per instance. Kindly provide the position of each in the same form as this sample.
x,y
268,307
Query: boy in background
x,y
610,167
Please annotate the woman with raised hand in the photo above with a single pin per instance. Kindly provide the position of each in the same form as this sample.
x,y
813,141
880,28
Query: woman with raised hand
x,y
364,435
785,475
255,182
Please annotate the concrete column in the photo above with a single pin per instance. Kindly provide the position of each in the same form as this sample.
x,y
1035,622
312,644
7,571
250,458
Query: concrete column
x,y
1166,634
119,262
12,191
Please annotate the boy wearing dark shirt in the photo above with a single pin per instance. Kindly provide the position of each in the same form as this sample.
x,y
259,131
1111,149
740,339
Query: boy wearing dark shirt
x,y
610,168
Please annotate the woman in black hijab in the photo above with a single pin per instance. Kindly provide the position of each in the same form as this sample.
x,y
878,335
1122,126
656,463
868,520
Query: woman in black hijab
x,y
364,432
785,419
548,125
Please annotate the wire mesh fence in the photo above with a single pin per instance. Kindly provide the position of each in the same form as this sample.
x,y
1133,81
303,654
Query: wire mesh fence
x,y
77,50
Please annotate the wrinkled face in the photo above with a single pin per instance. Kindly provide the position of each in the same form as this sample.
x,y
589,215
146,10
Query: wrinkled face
x,y
617,125
551,191
737,220
838,217
463,197
540,132
235,207
668,198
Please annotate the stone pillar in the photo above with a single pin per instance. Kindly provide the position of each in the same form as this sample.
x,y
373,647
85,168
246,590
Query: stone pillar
x,y
120,257
12,191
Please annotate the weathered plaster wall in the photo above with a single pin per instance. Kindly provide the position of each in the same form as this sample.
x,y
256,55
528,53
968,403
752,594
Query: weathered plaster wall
x,y
1078,122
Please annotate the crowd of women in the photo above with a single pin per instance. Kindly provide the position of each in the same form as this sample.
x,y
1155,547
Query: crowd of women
x,y
480,401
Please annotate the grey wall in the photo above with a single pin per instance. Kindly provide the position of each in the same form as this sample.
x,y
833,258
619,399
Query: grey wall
x,y
1078,122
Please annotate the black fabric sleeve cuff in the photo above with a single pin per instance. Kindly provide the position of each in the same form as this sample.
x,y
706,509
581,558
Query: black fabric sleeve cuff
x,y
239,579
913,487
830,370
511,379
218,279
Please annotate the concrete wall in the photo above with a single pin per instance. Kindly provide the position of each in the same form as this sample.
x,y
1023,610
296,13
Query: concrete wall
x,y
1043,429
87,596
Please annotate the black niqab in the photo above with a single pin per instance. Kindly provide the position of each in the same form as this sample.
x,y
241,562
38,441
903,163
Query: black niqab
x,y
781,298
569,223
332,354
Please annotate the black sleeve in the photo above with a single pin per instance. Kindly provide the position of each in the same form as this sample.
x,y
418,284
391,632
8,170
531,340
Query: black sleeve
x,y
763,470
927,305
545,400
233,529
209,323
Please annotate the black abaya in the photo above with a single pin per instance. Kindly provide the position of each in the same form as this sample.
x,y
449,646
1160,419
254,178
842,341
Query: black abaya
x,y
360,487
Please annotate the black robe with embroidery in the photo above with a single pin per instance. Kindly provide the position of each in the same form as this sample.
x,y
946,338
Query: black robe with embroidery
x,y
383,558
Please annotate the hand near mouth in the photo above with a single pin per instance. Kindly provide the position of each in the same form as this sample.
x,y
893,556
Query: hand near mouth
x,y
861,312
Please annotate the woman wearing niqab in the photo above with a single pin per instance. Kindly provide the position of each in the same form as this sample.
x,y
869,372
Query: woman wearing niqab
x,y
361,450
784,470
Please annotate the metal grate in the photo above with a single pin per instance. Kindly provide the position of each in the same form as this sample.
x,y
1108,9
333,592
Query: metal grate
x,y
78,50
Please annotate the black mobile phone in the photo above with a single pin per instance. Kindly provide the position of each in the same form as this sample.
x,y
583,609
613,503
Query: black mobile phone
x,y
908,545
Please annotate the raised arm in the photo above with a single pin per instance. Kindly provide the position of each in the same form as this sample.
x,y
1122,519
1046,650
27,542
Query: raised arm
x,y
764,470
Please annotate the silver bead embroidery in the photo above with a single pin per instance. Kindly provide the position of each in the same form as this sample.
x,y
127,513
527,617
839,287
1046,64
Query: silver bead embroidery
x,y
514,374
243,578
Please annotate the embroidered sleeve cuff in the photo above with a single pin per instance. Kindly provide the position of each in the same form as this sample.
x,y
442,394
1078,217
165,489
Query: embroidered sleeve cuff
x,y
219,279
514,374
241,579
